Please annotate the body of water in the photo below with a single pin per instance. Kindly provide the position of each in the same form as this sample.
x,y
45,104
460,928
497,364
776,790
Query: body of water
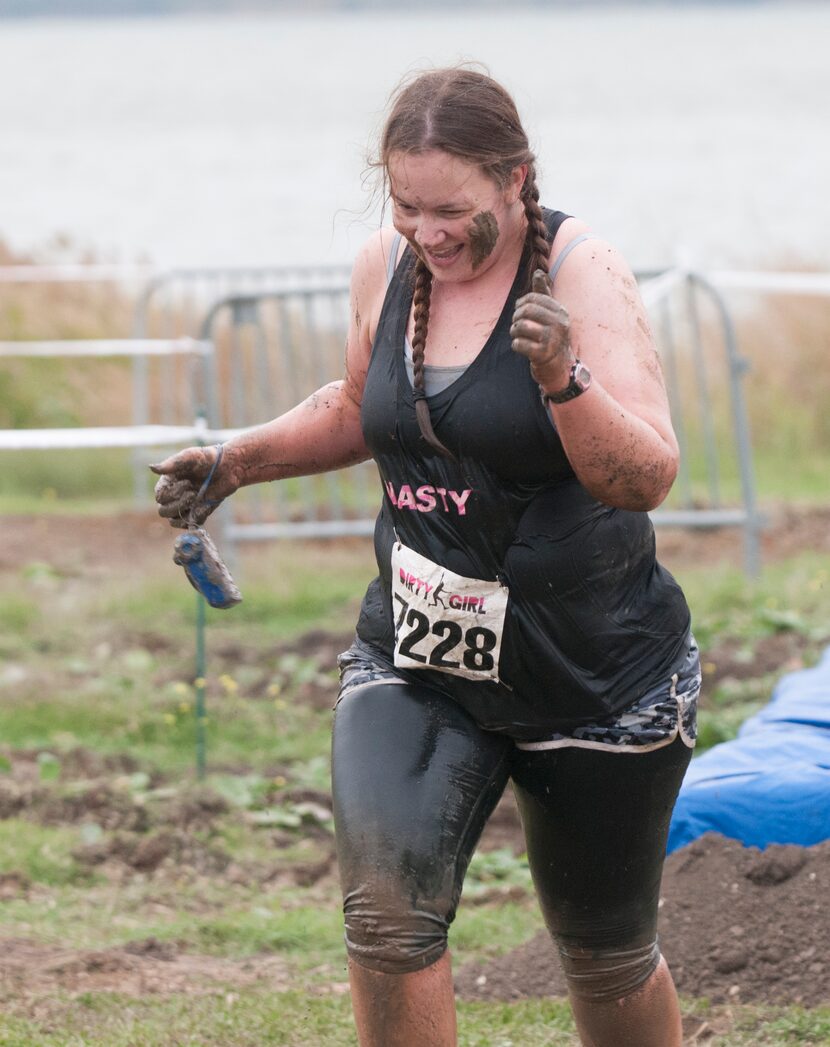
x,y
700,131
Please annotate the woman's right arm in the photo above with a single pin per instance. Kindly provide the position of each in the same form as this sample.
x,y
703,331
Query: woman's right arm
x,y
321,433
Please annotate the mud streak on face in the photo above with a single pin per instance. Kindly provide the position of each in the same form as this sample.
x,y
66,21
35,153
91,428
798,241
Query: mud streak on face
x,y
483,234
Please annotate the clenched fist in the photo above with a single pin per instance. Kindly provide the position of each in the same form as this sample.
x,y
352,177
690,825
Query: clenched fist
x,y
181,478
541,332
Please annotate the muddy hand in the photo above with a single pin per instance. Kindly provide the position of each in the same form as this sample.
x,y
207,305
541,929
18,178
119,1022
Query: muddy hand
x,y
541,332
541,283
180,479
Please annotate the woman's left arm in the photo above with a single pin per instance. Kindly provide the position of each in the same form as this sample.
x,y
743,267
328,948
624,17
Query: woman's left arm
x,y
618,434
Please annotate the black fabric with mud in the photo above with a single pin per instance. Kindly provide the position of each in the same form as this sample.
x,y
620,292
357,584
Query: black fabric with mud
x,y
736,924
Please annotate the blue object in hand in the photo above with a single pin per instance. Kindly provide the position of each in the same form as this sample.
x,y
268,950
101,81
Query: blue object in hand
x,y
195,552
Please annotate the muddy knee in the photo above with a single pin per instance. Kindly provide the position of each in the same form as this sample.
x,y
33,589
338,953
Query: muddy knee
x,y
393,936
608,973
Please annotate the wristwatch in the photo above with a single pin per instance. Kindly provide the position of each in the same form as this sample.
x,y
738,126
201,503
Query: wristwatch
x,y
578,381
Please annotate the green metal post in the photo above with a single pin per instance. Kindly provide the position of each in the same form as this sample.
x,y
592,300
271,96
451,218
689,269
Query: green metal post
x,y
200,684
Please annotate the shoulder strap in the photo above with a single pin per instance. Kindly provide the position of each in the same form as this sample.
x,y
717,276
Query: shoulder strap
x,y
566,250
393,258
553,220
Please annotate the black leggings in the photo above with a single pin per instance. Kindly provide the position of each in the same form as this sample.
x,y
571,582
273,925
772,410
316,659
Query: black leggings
x,y
414,781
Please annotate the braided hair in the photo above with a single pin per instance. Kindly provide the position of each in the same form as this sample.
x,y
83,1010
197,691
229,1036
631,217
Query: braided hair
x,y
469,115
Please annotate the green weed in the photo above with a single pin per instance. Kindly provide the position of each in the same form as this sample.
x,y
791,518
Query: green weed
x,y
40,854
792,595
50,479
498,868
485,931
266,928
18,614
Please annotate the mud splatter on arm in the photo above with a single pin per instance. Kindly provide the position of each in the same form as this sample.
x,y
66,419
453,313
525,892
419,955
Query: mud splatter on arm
x,y
618,435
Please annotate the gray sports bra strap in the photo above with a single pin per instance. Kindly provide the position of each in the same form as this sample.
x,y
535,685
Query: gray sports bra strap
x,y
393,259
566,250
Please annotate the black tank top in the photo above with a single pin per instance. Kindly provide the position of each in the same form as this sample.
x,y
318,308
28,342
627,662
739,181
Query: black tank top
x,y
593,620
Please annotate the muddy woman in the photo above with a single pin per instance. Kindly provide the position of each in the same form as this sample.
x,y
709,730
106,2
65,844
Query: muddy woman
x,y
501,372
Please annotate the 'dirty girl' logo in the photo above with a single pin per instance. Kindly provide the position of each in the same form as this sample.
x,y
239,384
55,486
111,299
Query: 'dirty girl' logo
x,y
437,596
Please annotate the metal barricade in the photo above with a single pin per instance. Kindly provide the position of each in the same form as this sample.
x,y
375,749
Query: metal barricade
x,y
704,373
276,347
273,349
173,304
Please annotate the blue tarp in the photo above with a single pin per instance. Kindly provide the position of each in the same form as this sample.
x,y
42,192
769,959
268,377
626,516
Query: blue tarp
x,y
771,784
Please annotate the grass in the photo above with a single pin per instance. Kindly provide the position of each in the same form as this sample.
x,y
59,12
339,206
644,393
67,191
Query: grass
x,y
80,687
792,598
89,692
112,713
261,1017
36,481
139,694
792,595
257,1019
43,854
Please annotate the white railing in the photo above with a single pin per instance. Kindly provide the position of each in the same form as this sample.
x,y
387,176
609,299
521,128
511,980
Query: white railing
x,y
108,347
109,436
76,274
772,282
130,436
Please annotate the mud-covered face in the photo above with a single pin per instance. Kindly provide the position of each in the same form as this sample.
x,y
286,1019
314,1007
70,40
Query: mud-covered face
x,y
455,217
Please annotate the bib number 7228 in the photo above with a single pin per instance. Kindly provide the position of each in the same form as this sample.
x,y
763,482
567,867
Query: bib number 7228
x,y
443,620
441,639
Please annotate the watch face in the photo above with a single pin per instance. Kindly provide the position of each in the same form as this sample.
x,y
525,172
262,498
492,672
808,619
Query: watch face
x,y
579,381
581,376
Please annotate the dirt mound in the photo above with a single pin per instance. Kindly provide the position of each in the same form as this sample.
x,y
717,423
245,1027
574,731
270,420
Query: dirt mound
x,y
736,924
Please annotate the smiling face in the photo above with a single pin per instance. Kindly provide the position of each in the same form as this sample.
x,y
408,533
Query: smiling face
x,y
457,219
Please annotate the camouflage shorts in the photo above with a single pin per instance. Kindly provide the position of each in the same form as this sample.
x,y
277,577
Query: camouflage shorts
x,y
655,720
664,712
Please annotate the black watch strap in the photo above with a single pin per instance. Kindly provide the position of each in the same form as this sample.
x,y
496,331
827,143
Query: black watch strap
x,y
578,381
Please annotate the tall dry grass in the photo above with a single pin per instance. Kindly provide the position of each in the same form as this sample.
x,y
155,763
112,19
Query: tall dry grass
x,y
39,393
786,339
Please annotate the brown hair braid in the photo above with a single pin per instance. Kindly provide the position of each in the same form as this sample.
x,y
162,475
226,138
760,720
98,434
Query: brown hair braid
x,y
420,303
469,115
537,243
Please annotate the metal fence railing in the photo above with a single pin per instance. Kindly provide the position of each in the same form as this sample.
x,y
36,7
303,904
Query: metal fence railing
x,y
273,348
173,304
197,353
238,347
704,373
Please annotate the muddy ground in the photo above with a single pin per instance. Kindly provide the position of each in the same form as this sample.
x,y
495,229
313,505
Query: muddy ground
x,y
737,925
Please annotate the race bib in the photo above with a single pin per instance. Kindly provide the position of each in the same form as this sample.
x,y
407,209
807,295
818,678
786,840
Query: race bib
x,y
445,621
